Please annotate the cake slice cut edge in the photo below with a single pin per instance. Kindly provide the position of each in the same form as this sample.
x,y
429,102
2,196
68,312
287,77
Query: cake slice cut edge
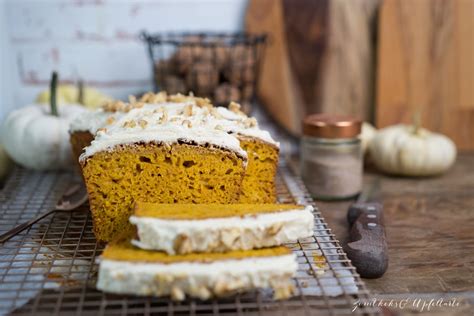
x,y
125,269
188,228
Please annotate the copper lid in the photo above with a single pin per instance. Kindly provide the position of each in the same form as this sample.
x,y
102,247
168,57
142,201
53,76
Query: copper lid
x,y
331,126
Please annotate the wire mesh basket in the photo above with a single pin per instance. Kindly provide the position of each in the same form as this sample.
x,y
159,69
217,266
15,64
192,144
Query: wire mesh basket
x,y
223,67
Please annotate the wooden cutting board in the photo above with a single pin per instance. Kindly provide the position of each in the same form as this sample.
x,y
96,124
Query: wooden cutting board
x,y
319,57
426,61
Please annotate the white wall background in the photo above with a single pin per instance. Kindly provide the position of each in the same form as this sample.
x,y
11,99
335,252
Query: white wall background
x,y
95,40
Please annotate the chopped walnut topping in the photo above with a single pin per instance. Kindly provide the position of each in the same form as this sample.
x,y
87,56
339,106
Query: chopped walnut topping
x,y
187,123
220,287
230,236
182,244
114,106
108,106
142,123
147,97
129,124
234,107
203,102
110,120
132,99
151,97
215,113
250,122
283,291
206,111
177,294
138,105
174,119
103,129
164,117
188,110
160,97
120,105
274,229
127,107
178,98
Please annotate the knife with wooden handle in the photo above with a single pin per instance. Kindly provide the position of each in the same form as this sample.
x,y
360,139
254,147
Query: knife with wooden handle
x,y
367,247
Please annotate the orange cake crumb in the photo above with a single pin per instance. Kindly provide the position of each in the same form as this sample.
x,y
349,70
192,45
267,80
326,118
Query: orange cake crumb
x,y
178,173
258,185
123,250
203,211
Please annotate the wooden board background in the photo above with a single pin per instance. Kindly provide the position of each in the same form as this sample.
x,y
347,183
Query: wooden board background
x,y
319,58
426,61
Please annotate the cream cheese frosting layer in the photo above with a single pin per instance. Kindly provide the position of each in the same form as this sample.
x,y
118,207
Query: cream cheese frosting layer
x,y
92,120
165,123
170,122
202,280
223,234
236,123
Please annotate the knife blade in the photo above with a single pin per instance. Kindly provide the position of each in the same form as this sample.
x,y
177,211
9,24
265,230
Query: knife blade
x,y
367,247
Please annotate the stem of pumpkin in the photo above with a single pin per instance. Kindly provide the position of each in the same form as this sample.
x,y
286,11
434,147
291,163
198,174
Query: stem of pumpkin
x,y
80,93
52,94
417,120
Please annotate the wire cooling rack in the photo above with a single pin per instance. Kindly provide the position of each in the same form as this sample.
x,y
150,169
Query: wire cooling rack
x,y
51,269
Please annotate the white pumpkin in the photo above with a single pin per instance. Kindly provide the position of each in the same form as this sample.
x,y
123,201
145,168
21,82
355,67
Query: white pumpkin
x,y
36,139
406,150
367,135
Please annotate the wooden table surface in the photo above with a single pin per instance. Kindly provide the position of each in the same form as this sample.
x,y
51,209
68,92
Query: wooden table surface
x,y
430,229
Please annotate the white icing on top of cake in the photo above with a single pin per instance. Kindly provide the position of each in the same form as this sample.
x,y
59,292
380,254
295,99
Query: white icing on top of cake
x,y
171,122
92,120
224,233
234,122
197,279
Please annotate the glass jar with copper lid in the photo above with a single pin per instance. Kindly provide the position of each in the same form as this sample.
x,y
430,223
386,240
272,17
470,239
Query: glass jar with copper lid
x,y
331,156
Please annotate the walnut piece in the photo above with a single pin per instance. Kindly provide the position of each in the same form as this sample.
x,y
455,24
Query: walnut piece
x,y
187,123
236,108
110,120
177,294
188,110
283,291
250,122
138,105
142,123
164,117
182,244
274,229
215,113
130,124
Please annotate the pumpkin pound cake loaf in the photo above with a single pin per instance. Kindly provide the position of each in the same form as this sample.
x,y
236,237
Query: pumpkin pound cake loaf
x,y
125,269
187,228
159,154
258,185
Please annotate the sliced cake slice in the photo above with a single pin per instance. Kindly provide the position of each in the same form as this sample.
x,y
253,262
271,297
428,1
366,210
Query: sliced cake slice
x,y
126,269
187,228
